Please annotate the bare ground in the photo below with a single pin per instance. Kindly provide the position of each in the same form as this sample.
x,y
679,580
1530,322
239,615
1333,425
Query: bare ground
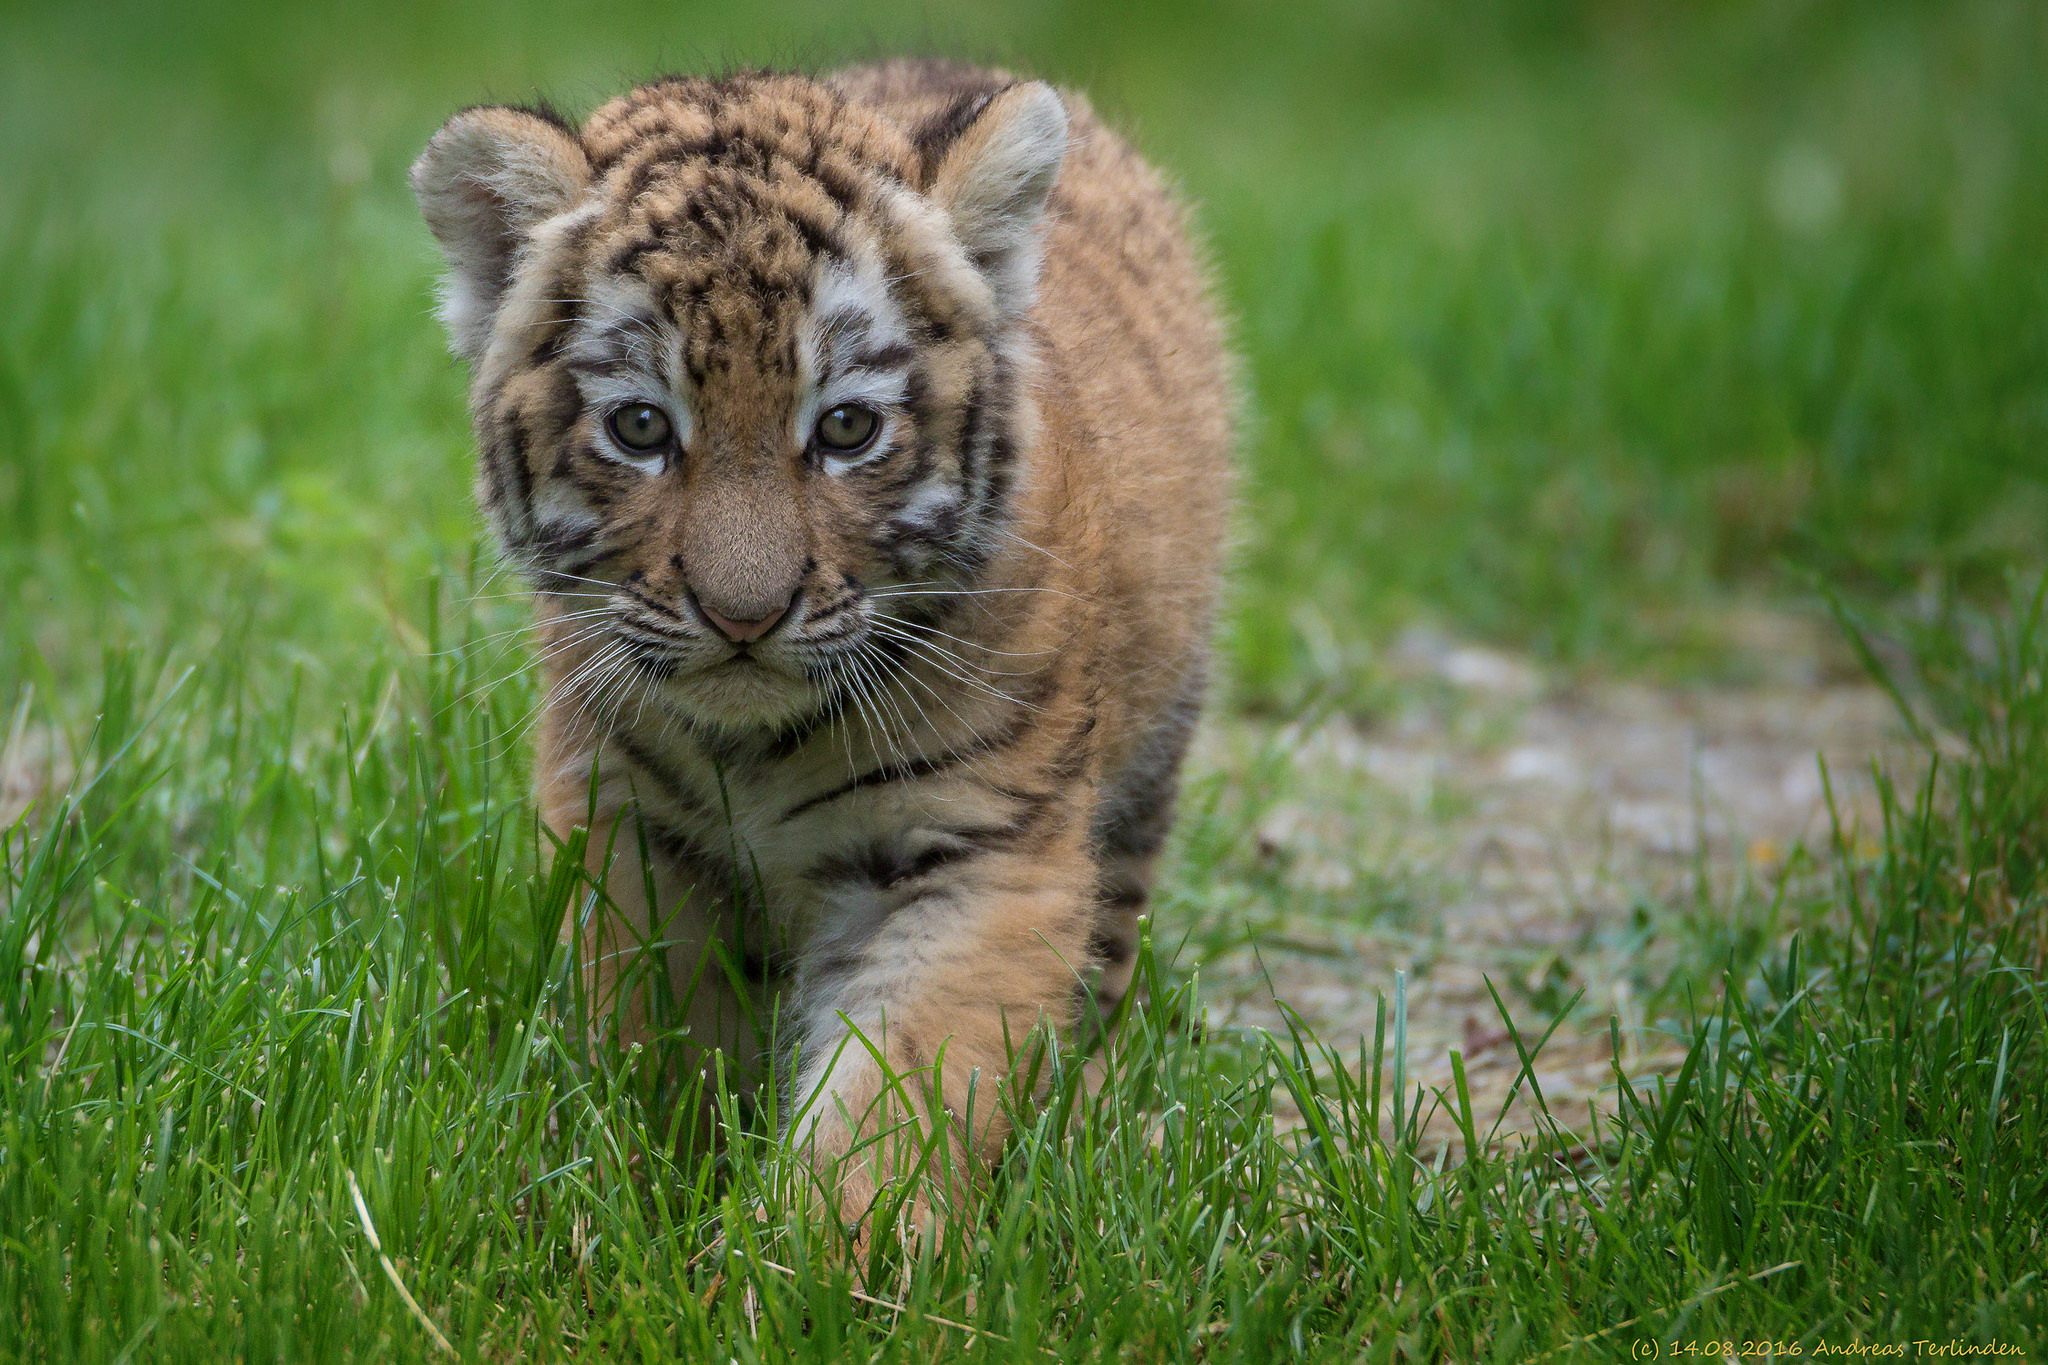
x,y
1500,824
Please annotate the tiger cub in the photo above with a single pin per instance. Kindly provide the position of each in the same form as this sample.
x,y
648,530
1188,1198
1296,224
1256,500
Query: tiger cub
x,y
865,441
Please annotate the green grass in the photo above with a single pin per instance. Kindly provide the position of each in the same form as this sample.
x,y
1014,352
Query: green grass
x,y
262,963
1563,327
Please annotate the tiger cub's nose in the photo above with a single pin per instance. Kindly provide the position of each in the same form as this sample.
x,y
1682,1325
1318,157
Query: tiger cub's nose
x,y
741,632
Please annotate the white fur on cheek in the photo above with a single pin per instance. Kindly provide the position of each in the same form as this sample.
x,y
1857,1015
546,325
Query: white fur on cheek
x,y
928,504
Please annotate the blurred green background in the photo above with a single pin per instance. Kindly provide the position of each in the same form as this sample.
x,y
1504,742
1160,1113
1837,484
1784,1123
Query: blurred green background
x,y
1565,323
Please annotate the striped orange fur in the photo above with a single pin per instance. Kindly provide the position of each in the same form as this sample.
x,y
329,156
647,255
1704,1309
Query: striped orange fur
x,y
897,721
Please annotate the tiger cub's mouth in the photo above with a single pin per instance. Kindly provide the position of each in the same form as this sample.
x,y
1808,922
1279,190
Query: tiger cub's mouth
x,y
794,670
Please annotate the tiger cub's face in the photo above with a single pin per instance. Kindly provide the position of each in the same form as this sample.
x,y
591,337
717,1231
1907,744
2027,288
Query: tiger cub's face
x,y
748,370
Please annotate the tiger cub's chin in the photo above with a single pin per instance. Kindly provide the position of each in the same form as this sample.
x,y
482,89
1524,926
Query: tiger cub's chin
x,y
865,439
742,698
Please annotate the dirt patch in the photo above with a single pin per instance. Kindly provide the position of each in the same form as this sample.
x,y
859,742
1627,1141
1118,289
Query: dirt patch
x,y
1499,825
31,765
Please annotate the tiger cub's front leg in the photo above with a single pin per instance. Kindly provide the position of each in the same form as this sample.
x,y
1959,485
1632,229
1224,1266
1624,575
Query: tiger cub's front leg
x,y
919,1003
660,952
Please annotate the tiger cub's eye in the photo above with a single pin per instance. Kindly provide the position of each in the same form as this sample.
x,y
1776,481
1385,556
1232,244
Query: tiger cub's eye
x,y
848,427
639,426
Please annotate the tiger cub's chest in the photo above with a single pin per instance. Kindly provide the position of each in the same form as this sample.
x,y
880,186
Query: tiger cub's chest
x,y
808,839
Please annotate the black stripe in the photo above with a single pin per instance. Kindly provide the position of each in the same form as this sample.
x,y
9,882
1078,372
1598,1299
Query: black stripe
x,y
785,743
674,843
1029,829
1072,759
883,865
883,357
761,968
555,541
522,474
918,395
842,188
1002,458
583,563
840,962
820,237
851,628
548,349
626,259
970,425
1110,949
833,609
664,152
644,600
916,768
599,483
1002,401
892,772
670,783
650,658
937,135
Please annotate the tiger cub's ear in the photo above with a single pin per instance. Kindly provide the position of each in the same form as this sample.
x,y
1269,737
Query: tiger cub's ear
x,y
484,182
993,181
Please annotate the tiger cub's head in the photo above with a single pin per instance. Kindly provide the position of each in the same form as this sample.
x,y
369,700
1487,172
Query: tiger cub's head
x,y
749,366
